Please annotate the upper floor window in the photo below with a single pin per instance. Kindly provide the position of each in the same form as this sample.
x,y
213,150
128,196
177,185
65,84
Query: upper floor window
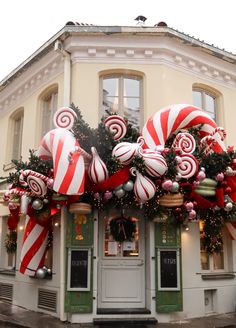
x,y
49,103
206,101
123,94
16,130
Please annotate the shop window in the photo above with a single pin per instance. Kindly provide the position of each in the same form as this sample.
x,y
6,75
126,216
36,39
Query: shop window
x,y
48,105
8,247
123,94
15,137
211,262
206,101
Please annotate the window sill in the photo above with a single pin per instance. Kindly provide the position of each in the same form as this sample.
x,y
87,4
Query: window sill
x,y
217,276
8,272
9,166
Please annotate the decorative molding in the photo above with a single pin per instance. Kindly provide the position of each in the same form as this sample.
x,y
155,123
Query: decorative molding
x,y
152,50
43,71
118,49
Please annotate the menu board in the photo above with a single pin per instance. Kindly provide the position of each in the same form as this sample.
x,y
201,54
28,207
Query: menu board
x,y
168,269
79,269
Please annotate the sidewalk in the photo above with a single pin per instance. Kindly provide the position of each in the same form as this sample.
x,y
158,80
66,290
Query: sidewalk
x,y
14,316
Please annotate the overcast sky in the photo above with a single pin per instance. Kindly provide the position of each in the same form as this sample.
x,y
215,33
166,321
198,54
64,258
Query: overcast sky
x,y
26,24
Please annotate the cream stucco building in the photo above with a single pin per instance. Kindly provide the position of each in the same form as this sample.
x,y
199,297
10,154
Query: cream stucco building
x,y
148,68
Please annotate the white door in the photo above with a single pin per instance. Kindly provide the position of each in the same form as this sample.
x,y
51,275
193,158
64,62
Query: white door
x,y
121,271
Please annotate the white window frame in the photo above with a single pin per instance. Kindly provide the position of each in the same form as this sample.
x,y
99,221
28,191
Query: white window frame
x,y
203,93
15,143
48,102
121,77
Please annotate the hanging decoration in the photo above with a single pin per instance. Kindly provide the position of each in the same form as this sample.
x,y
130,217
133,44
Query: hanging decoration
x,y
122,229
178,165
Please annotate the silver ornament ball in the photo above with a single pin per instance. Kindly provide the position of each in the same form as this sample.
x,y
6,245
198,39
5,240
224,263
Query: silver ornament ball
x,y
128,186
37,204
120,193
41,273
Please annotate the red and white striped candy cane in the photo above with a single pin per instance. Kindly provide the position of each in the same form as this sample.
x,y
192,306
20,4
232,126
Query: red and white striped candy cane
x,y
207,142
186,142
34,247
219,132
17,192
171,119
69,176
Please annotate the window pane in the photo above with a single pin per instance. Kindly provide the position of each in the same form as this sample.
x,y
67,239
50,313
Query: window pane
x,y
209,103
197,99
205,265
131,87
110,87
17,137
111,104
132,111
49,108
218,261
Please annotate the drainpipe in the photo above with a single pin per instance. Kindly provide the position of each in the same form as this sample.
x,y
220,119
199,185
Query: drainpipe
x,y
58,47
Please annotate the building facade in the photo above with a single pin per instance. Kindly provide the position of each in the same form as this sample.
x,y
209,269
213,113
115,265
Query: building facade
x,y
134,71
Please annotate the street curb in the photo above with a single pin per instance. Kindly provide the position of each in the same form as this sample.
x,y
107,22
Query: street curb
x,y
6,322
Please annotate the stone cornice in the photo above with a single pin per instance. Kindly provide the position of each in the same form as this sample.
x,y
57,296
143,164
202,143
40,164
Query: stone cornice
x,y
152,50
27,83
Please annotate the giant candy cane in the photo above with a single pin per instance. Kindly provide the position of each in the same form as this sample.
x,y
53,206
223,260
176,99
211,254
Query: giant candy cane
x,y
69,175
171,119
34,247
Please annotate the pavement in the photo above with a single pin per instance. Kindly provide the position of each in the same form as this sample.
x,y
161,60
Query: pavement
x,y
18,317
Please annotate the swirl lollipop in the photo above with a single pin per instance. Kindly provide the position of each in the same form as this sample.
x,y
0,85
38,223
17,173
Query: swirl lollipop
x,y
64,118
36,185
188,166
117,126
186,142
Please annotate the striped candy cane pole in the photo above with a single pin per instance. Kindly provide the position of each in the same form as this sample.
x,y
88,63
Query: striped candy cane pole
x,y
59,144
171,119
34,247
207,142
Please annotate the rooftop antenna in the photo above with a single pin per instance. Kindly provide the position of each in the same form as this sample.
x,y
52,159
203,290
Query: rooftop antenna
x,y
140,20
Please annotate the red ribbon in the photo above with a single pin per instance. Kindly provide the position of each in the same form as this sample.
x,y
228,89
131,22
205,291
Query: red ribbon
x,y
114,181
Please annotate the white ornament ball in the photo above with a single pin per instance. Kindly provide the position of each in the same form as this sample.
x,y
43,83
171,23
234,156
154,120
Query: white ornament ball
x,y
37,204
228,207
175,187
128,186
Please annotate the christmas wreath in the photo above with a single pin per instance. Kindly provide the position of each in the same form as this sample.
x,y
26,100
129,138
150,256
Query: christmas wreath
x,y
122,229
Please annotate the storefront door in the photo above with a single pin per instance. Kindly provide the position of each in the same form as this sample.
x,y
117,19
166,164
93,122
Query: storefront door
x,y
121,265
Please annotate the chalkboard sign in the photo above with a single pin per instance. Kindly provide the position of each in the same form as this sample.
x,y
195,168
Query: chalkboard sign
x,y
79,262
168,269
